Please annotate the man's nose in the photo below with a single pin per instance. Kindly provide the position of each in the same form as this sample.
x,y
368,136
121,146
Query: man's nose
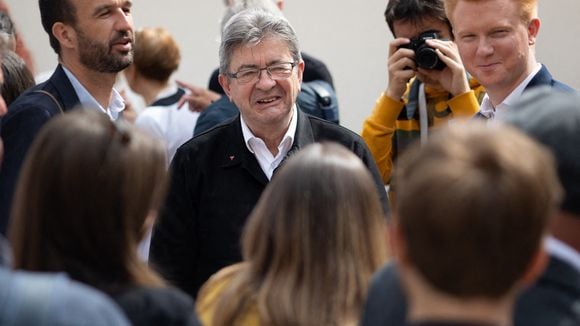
x,y
265,80
485,47
124,22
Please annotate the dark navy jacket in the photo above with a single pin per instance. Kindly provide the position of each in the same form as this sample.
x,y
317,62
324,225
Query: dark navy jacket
x,y
26,115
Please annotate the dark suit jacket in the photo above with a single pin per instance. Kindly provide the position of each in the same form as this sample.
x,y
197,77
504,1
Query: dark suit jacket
x,y
542,78
215,183
26,115
553,300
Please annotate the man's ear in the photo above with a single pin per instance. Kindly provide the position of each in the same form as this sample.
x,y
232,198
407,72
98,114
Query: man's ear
x,y
300,70
536,267
533,30
65,35
225,83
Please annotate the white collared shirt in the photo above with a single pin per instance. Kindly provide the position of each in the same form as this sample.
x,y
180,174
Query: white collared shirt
x,y
489,111
258,147
562,251
116,105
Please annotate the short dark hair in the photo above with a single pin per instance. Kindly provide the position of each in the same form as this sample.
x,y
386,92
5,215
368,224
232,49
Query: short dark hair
x,y
467,201
54,11
414,11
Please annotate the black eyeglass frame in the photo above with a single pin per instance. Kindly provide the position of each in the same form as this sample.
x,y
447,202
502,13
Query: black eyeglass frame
x,y
259,70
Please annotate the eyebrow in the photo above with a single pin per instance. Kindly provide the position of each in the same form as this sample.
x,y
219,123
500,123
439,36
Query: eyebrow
x,y
432,30
269,63
127,3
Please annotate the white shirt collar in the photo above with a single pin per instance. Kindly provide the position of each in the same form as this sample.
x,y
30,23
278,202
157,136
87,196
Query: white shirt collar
x,y
562,251
258,147
489,111
116,105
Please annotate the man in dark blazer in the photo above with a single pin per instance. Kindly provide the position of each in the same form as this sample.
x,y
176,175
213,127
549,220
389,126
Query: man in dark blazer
x,y
217,177
498,49
93,40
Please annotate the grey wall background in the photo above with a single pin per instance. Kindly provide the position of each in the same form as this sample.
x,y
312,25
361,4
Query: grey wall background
x,y
349,35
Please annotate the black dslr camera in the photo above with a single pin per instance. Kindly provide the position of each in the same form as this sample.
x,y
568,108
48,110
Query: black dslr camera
x,y
425,56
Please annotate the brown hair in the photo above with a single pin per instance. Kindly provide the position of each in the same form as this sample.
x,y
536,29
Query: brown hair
x,y
311,244
528,8
86,188
475,198
156,54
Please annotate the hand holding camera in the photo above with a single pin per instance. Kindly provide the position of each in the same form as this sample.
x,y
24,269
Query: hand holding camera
x,y
425,56
434,61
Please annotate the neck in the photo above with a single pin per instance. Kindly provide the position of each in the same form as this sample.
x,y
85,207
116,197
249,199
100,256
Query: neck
x,y
500,92
426,303
566,227
149,89
272,133
98,84
272,139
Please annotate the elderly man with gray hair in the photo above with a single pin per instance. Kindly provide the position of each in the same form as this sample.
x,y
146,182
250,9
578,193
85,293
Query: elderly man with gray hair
x,y
218,176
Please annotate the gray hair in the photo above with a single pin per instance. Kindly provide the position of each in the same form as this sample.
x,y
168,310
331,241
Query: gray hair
x,y
249,27
235,6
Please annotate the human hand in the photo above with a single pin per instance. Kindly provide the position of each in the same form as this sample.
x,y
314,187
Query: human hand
x,y
401,67
198,98
453,77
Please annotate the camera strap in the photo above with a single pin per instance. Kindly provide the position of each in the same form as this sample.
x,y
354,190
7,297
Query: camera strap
x,y
423,115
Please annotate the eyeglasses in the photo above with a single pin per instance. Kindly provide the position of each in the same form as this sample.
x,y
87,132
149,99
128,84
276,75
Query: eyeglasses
x,y
277,71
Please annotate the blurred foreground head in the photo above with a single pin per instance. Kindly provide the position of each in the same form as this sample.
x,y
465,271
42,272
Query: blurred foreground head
x,y
87,188
472,208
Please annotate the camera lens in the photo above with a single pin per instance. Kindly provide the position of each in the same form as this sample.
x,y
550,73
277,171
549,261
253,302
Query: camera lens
x,y
427,58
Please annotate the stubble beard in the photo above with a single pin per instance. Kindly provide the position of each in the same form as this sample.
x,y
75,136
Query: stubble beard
x,y
100,57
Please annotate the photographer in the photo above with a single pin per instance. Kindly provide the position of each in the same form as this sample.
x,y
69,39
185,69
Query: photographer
x,y
427,81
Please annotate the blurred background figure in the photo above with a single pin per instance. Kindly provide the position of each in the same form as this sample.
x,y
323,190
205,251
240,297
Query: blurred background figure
x,y
17,77
9,32
84,212
310,247
156,58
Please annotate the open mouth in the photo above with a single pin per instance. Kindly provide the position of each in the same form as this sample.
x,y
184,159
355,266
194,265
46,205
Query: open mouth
x,y
268,100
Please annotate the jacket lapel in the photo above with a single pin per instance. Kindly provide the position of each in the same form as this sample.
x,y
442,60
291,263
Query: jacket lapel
x,y
542,78
60,82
